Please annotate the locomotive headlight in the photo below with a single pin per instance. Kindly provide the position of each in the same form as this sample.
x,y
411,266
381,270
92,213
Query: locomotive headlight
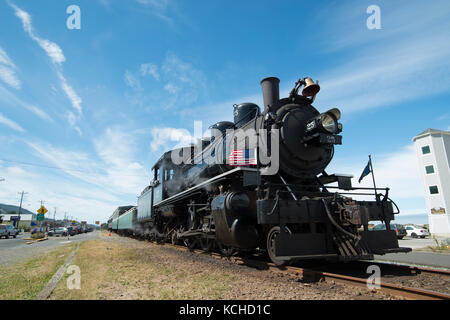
x,y
328,123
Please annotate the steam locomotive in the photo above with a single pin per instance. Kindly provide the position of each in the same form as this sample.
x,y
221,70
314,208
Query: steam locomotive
x,y
259,183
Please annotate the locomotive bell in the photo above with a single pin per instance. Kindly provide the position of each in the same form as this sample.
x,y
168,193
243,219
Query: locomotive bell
x,y
311,88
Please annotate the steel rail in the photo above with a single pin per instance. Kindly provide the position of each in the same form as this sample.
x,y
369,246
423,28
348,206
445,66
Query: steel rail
x,y
316,275
386,287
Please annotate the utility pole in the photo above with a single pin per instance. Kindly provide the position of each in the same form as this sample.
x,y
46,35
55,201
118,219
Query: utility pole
x,y
54,219
20,207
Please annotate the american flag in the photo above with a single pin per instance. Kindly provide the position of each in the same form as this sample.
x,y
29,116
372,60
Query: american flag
x,y
242,157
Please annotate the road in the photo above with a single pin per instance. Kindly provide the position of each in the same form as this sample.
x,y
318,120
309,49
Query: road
x,y
417,257
15,250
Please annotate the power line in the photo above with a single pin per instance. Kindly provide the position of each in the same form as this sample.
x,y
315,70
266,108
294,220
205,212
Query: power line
x,y
58,168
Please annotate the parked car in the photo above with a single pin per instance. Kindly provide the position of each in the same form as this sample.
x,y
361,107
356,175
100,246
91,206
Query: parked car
x,y
398,228
60,231
415,232
72,231
7,230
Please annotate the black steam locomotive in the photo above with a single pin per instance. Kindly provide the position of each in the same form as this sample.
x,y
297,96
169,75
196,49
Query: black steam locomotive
x,y
259,183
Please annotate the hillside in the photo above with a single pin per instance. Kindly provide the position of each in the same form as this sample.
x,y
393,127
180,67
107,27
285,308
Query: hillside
x,y
7,208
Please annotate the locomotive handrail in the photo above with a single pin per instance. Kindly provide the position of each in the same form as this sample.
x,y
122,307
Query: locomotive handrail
x,y
385,196
327,187
203,184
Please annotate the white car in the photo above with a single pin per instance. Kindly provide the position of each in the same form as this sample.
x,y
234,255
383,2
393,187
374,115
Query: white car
x,y
416,232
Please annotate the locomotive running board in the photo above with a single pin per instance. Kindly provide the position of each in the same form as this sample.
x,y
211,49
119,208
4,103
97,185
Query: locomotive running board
x,y
308,256
203,184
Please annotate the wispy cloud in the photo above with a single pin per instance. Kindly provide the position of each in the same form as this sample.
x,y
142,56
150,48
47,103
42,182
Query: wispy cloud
x,y
8,70
112,166
150,69
132,81
158,8
9,123
385,64
71,94
398,171
52,49
11,99
56,55
178,82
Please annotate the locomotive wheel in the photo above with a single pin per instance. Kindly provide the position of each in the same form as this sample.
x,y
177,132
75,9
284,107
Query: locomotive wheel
x,y
270,244
206,244
191,243
225,250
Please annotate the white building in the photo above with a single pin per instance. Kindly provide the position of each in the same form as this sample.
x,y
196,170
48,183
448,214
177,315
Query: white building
x,y
433,152
25,218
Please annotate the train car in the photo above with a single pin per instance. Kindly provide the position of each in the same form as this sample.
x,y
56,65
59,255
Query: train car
x,y
260,183
126,222
113,225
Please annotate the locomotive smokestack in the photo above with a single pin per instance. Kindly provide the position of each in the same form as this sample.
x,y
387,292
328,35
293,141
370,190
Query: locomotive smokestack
x,y
271,91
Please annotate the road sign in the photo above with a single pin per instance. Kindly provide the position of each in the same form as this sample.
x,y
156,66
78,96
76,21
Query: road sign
x,y
97,222
42,210
40,217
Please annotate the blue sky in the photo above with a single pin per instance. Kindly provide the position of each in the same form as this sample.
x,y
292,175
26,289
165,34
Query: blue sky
x,y
103,102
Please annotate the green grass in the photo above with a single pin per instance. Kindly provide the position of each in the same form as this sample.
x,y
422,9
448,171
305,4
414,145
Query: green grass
x,y
112,271
23,281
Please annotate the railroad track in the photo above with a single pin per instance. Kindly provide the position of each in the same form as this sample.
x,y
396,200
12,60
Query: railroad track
x,y
317,275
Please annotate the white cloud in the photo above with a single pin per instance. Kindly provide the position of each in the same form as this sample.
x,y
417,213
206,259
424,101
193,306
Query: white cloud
x,y
132,81
385,64
5,59
7,70
71,94
11,99
160,4
9,123
150,69
72,118
398,171
84,202
117,148
9,76
52,49
56,55
179,83
164,138
171,88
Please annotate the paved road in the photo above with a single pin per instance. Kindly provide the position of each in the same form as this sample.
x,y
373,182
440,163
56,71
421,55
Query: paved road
x,y
14,250
420,258
416,243
417,257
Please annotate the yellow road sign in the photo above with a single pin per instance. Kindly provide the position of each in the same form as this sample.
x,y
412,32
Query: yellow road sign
x,y
42,210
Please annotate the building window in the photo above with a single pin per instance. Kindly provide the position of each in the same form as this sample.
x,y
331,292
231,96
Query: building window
x,y
426,150
429,169
434,190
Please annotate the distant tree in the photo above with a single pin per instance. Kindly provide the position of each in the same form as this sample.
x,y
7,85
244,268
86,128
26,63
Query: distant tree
x,y
12,212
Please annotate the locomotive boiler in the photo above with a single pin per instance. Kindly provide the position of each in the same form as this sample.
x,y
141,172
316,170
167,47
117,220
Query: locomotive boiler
x,y
259,183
